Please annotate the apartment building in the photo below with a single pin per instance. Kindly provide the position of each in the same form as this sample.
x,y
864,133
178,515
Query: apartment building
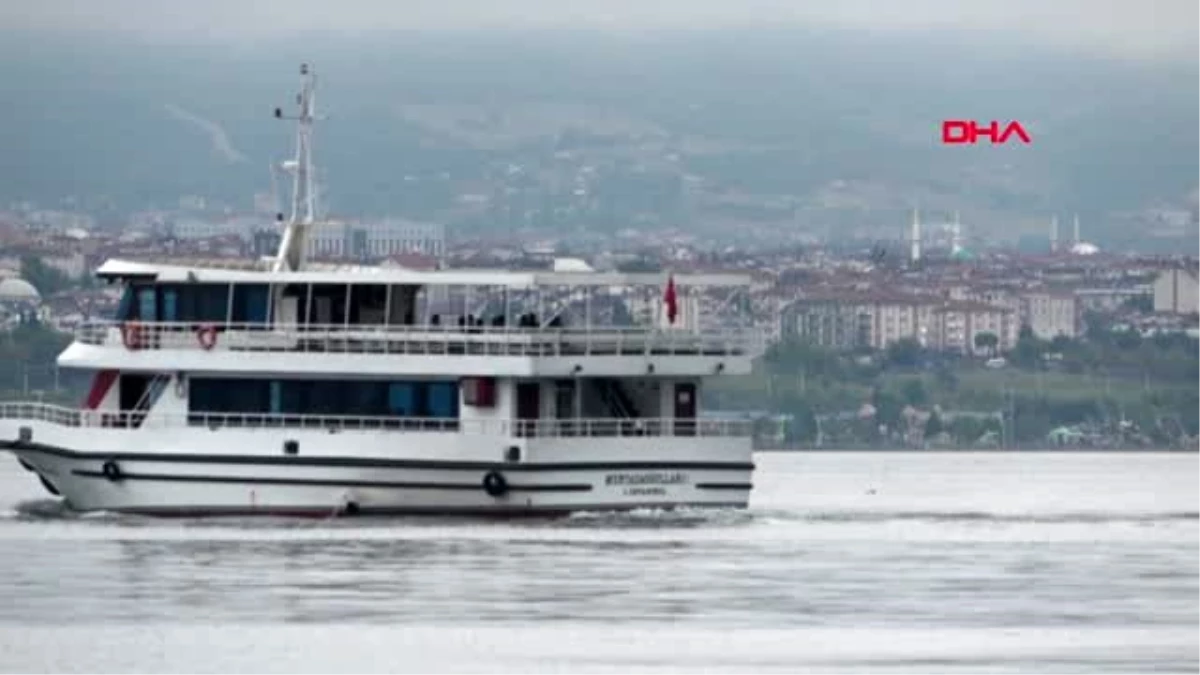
x,y
1050,313
876,320
1175,292
1010,303
852,320
957,324
360,241
328,240
1110,299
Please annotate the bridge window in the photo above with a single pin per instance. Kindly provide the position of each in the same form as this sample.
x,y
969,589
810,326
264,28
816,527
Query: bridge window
x,y
368,304
328,304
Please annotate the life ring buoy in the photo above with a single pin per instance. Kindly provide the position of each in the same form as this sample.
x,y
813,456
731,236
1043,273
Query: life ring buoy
x,y
131,335
206,335
111,471
495,484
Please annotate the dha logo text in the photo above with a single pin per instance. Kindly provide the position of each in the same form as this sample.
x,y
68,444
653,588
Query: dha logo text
x,y
957,132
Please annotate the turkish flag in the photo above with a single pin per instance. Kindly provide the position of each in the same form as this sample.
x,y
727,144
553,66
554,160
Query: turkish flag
x,y
670,300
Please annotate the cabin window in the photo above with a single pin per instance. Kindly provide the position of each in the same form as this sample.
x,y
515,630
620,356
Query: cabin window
x,y
147,309
403,305
424,399
293,305
443,399
368,304
276,396
224,395
328,304
202,303
402,399
125,306
170,304
250,303
564,399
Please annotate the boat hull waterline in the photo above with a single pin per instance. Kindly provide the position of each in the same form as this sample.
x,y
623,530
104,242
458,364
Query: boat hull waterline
x,y
179,485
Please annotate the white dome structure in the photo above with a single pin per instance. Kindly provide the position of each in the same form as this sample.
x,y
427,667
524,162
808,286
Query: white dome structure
x,y
1084,248
18,290
571,265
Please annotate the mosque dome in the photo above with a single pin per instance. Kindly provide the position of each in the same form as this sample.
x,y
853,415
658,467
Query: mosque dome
x,y
18,290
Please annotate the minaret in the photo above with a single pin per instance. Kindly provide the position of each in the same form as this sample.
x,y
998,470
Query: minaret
x,y
1054,234
956,235
916,236
1077,240
293,245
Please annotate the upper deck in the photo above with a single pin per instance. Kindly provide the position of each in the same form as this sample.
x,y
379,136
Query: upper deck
x,y
387,320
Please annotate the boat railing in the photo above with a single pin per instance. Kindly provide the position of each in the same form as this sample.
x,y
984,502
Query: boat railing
x,y
554,428
423,340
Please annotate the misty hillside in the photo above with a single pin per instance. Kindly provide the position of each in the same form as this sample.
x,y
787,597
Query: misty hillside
x,y
416,120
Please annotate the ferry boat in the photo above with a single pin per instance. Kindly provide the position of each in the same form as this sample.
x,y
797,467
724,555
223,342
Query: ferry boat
x,y
284,387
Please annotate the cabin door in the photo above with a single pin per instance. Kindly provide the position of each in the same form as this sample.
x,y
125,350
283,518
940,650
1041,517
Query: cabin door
x,y
132,399
528,405
133,388
685,409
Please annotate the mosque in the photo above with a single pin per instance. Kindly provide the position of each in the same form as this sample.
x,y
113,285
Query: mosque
x,y
19,301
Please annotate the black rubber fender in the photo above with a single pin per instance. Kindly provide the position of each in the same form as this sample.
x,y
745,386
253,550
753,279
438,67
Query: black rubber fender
x,y
495,484
111,471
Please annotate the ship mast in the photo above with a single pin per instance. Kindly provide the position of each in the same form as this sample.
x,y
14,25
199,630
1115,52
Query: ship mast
x,y
293,244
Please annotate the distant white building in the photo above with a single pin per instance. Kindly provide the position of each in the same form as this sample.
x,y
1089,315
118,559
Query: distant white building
x,y
1175,292
339,239
73,265
197,228
1111,298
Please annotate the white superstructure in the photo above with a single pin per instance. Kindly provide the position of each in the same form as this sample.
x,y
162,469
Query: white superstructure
x,y
279,387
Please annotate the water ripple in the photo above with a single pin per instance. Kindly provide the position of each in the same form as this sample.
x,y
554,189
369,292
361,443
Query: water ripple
x,y
1038,550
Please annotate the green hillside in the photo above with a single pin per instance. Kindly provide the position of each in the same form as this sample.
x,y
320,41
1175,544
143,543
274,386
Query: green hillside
x,y
769,113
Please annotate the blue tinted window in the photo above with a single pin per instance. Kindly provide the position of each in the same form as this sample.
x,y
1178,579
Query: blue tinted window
x,y
125,308
250,303
325,397
402,399
147,310
443,399
170,304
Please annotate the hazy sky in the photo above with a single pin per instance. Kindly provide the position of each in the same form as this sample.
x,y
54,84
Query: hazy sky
x,y
1118,26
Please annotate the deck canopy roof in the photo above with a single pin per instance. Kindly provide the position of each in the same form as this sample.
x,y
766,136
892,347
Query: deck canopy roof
x,y
244,272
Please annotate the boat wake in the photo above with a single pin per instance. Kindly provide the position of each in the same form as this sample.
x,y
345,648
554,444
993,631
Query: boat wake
x,y
56,509
639,519
51,509
982,517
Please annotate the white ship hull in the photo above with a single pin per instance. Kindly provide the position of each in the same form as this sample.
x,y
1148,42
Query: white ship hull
x,y
349,474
